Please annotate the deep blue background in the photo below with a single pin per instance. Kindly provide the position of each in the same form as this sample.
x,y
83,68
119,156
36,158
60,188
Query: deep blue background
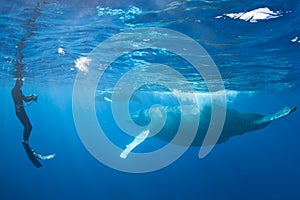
x,y
258,165
262,164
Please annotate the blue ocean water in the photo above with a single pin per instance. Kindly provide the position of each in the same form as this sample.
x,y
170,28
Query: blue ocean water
x,y
254,44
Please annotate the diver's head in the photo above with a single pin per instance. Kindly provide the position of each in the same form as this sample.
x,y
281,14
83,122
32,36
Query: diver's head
x,y
19,82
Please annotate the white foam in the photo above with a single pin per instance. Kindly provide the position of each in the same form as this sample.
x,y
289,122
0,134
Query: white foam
x,y
185,96
254,15
82,64
60,51
202,98
122,14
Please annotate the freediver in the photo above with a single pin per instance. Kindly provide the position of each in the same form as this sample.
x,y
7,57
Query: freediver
x,y
18,98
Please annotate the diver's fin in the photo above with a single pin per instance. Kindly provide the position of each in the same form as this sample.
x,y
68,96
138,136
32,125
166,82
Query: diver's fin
x,y
281,113
31,156
43,157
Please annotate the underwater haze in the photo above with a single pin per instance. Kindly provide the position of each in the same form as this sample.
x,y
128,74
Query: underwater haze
x,y
255,48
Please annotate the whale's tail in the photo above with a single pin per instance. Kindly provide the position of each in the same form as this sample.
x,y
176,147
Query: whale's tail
x,y
281,113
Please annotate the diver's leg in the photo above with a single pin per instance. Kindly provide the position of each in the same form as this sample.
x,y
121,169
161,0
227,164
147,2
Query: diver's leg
x,y
26,123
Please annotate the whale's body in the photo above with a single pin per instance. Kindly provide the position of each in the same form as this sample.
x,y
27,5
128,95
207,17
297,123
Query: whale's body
x,y
236,122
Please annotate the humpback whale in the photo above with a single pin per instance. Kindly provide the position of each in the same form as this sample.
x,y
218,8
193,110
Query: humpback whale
x,y
236,123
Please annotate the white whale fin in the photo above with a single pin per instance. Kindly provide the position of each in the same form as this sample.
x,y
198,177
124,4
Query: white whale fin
x,y
107,99
137,140
281,113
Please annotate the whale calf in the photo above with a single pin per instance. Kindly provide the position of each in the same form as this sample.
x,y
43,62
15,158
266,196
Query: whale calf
x,y
236,123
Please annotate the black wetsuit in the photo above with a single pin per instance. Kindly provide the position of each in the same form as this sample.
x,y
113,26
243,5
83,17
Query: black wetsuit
x,y
18,98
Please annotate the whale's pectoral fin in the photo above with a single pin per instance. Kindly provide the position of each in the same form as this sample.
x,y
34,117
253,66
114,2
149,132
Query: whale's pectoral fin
x,y
137,140
281,113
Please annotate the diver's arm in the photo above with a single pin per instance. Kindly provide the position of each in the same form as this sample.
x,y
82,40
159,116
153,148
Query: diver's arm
x,y
32,97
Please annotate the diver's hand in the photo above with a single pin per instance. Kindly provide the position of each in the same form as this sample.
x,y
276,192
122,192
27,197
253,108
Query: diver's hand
x,y
34,97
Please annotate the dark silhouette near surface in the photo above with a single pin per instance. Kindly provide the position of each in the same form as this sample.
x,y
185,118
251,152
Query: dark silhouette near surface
x,y
18,98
